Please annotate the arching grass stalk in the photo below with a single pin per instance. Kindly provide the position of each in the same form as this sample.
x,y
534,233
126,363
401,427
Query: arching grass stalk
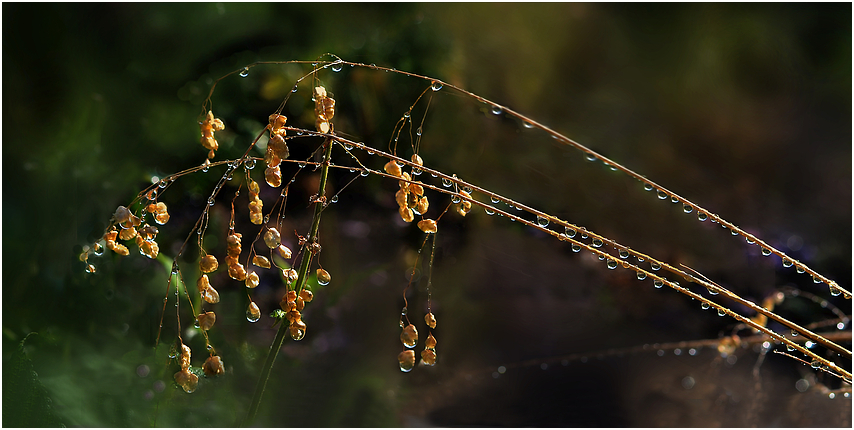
x,y
300,283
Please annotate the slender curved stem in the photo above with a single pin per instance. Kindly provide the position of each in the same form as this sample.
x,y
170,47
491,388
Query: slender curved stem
x,y
300,283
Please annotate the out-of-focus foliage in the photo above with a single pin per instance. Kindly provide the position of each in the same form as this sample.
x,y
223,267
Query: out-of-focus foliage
x,y
745,109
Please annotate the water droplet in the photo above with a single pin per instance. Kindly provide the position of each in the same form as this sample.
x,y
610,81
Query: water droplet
x,y
210,201
599,256
712,292
673,199
721,312
569,231
590,156
734,232
794,333
90,268
418,131
654,265
527,124
662,195
447,182
787,262
624,253
436,86
496,110
749,240
455,199
576,247
245,72
687,209
817,280
800,269
196,323
815,364
809,344
583,233
658,284
831,396
297,334
647,187
337,67
489,211
416,171
542,221
173,352
833,290
705,305
249,164
841,325
790,348
612,264
641,276
253,314
364,172
597,242
766,252
334,199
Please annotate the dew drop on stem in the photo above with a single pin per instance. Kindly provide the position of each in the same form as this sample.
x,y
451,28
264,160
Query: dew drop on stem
x,y
542,221
245,72
436,86
662,195
337,67
496,110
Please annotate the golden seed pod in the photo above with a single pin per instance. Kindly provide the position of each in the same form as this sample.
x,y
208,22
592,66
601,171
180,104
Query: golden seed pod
x,y
122,215
417,159
273,176
284,251
404,183
127,233
323,277
213,366
208,264
252,280
409,336
203,283
111,235
277,122
430,319
256,217
291,295
210,295
161,217
233,244
291,305
406,360
277,148
293,315
427,225
237,272
319,92
392,168
306,295
406,214
206,320
422,205
291,275
261,261
297,330
430,342
327,107
428,357
184,358
118,248
149,248
400,197
300,304
187,380
416,189
253,187
272,238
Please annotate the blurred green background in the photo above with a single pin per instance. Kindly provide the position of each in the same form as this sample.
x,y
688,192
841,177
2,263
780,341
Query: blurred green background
x,y
745,109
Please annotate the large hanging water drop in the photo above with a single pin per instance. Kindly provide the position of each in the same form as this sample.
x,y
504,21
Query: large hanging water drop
x,y
337,67
245,72
436,86
253,314
542,221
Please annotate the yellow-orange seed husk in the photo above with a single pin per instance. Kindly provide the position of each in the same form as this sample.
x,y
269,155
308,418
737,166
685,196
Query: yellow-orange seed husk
x,y
430,319
427,225
206,320
208,264
213,366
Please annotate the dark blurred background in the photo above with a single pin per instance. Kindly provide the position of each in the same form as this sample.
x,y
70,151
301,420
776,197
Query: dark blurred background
x,y
742,108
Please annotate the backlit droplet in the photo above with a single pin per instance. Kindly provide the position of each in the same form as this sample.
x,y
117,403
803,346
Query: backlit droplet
x,y
766,252
249,164
815,364
662,195
576,247
590,156
334,199
647,187
809,344
494,199
705,305
624,253
436,86
654,265
496,110
721,312
447,182
687,209
702,216
641,276
787,263
612,264
542,221
569,231
800,269
658,283
245,72
749,240
406,360
90,268
712,292
833,290
527,124
597,242
489,211
790,348
337,67
253,314
817,280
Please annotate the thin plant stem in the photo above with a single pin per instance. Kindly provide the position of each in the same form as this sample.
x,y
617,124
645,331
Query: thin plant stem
x,y
300,283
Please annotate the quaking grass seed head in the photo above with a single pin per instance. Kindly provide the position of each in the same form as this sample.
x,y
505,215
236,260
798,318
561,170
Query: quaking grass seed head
x,y
213,366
